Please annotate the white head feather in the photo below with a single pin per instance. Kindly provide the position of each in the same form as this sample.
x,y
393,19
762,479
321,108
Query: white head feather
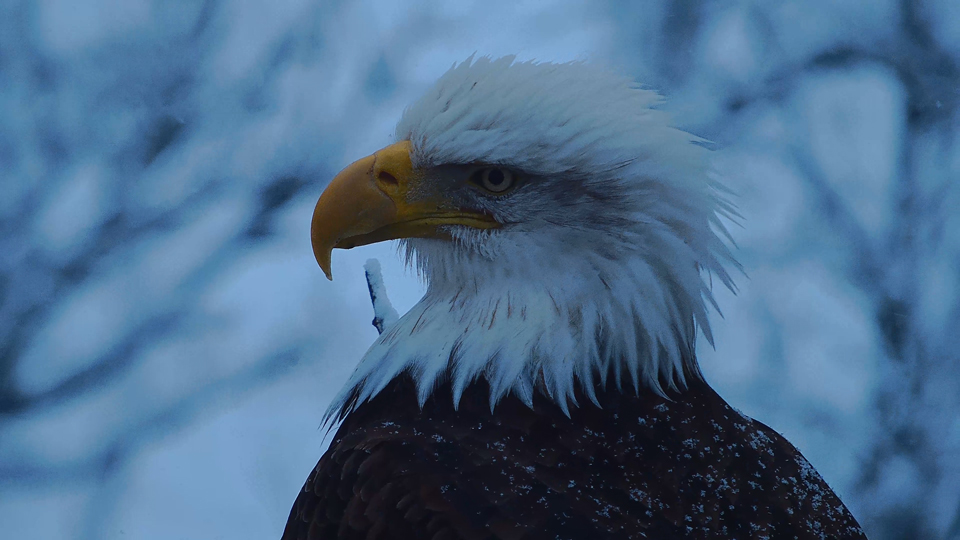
x,y
603,268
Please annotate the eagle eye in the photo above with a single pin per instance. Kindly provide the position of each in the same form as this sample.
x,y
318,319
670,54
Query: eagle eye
x,y
494,179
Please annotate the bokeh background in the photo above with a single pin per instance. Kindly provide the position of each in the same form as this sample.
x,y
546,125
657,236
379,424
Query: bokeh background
x,y
167,343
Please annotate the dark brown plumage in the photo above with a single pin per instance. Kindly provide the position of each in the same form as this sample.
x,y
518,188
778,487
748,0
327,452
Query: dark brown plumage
x,y
637,467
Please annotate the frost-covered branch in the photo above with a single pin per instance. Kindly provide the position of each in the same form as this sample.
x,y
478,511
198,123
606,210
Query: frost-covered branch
x,y
383,312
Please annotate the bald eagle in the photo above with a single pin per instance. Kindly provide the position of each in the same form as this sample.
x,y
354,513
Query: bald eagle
x,y
546,386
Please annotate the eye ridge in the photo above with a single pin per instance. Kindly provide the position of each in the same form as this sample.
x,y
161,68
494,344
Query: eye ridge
x,y
494,179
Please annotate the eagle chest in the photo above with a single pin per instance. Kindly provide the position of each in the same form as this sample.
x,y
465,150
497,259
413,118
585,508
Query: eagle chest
x,y
634,468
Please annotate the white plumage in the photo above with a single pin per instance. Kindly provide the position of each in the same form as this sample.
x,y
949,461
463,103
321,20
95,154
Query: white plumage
x,y
604,262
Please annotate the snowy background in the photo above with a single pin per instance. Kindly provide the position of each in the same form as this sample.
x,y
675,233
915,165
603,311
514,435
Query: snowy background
x,y
167,342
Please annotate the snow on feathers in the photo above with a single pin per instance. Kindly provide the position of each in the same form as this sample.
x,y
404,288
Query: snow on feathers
x,y
605,259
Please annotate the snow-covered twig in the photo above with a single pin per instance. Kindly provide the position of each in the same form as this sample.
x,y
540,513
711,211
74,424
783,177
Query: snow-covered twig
x,y
383,313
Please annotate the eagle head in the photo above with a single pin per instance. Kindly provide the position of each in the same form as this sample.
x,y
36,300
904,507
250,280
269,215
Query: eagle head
x,y
567,234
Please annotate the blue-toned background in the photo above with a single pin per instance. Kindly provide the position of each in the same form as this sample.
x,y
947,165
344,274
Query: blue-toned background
x,y
168,344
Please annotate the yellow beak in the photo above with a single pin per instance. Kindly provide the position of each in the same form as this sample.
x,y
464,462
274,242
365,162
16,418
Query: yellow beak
x,y
381,197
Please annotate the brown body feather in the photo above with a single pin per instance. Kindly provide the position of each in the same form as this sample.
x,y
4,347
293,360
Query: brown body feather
x,y
636,467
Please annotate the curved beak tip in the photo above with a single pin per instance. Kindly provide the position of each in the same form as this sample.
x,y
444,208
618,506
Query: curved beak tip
x,y
323,257
322,251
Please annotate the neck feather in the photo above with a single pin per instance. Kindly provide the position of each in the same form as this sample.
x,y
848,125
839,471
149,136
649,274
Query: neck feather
x,y
552,329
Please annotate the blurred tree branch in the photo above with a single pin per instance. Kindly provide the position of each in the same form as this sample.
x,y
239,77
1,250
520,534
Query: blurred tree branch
x,y
170,419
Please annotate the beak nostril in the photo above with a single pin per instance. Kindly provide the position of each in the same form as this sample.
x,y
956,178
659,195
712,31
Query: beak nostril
x,y
387,178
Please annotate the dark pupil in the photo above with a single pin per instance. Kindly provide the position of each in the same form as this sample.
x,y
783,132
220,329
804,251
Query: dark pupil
x,y
495,177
